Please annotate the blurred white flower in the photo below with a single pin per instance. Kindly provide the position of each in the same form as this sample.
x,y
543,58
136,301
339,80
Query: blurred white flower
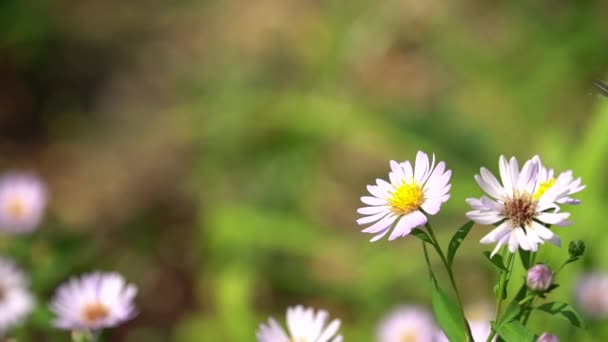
x,y
93,301
407,324
546,337
304,325
16,302
591,294
401,202
514,207
23,198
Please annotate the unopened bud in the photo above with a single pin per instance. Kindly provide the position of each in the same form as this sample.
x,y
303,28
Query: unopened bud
x,y
576,248
546,337
539,278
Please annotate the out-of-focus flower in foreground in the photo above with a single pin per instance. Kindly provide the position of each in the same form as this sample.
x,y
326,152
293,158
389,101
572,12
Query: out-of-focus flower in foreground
x,y
407,323
546,337
559,188
402,203
520,206
23,198
303,325
539,278
16,302
94,301
592,294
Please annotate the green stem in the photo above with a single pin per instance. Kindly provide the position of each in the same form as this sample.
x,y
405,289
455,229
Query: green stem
x,y
502,284
444,260
528,311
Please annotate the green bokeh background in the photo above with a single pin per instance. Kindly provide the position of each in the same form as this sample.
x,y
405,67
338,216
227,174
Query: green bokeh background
x,y
214,152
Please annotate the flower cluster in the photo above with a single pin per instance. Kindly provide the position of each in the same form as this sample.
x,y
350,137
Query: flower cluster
x,y
86,304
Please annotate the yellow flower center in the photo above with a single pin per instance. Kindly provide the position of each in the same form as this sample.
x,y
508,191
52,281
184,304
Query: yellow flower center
x,y
15,208
543,187
407,198
520,209
408,336
94,312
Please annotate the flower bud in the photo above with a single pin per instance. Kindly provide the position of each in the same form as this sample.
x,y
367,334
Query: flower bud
x,y
539,278
546,337
576,248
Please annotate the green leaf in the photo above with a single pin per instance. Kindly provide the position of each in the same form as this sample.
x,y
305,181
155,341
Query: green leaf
x,y
422,235
447,314
563,310
515,331
496,260
510,313
457,240
525,258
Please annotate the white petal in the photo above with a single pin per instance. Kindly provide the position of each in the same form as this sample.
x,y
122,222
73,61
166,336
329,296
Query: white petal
x,y
431,206
489,189
485,217
371,218
513,241
373,200
497,233
421,167
489,178
380,234
407,169
380,225
372,210
552,218
330,331
376,191
522,239
397,170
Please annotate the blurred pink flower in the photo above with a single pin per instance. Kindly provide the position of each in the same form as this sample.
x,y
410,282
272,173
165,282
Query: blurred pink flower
x,y
16,302
94,301
304,324
407,323
23,198
591,294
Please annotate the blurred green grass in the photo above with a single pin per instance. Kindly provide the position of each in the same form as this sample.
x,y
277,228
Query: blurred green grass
x,y
216,150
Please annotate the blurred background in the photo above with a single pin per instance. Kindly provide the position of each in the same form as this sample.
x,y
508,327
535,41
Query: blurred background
x,y
214,152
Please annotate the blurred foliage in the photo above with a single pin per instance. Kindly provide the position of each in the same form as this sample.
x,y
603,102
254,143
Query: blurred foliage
x,y
214,152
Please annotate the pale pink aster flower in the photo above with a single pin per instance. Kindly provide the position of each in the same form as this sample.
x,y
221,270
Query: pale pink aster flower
x,y
558,189
407,323
591,294
16,302
520,216
23,199
546,337
94,301
304,325
403,203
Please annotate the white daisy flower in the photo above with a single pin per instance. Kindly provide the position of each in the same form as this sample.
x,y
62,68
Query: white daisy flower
x,y
520,213
592,294
304,325
407,323
403,202
16,302
94,301
557,189
23,199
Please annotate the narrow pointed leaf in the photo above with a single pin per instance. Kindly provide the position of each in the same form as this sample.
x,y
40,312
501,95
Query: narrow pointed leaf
x,y
515,331
457,239
496,260
563,310
422,235
511,313
447,314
